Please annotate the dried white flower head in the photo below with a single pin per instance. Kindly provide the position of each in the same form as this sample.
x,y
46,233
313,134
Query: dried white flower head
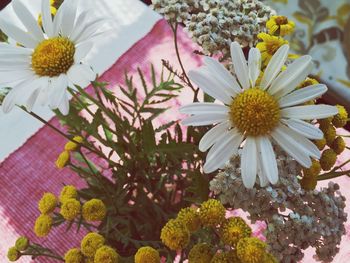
x,y
175,10
296,219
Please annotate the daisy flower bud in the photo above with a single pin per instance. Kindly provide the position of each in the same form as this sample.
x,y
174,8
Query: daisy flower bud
x,y
22,243
13,254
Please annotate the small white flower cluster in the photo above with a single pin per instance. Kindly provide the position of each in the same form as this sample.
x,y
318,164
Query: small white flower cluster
x,y
175,10
297,219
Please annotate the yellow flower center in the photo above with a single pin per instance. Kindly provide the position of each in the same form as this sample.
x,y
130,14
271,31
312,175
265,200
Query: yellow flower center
x,y
255,112
53,56
281,20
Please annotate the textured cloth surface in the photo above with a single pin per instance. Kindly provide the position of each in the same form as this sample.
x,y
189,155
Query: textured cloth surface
x,y
30,171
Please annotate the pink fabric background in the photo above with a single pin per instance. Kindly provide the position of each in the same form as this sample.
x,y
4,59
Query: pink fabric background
x,y
30,171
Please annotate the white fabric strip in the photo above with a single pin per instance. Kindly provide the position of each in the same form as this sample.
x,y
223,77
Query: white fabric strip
x,y
130,20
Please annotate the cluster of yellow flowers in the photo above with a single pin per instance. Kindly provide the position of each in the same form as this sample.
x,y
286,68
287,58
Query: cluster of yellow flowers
x,y
236,242
70,208
70,146
332,145
54,5
14,253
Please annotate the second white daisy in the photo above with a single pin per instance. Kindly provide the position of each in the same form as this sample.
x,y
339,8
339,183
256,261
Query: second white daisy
x,y
252,114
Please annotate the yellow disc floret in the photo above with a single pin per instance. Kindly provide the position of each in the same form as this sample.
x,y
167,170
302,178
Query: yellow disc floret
x,y
280,25
94,210
338,145
90,243
106,254
341,118
70,209
43,225
233,230
147,255
67,192
328,159
73,256
47,203
200,253
255,112
53,56
175,235
251,250
13,254
190,217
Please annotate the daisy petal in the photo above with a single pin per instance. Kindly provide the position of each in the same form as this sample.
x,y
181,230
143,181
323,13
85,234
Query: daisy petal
x,y
264,181
7,77
81,24
89,30
59,87
64,105
240,65
68,17
81,75
254,65
28,20
274,66
292,76
309,112
222,75
213,135
249,162
202,120
302,95
47,18
82,50
204,108
304,128
209,86
222,151
18,34
32,99
268,159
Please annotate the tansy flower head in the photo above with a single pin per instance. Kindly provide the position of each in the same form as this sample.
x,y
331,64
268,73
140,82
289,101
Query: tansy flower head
x,y
269,46
147,255
73,145
190,217
47,203
329,133
321,143
175,235
22,243
325,122
73,256
200,253
106,254
70,209
328,159
341,118
13,254
212,213
308,182
90,243
269,258
43,225
251,250
233,230
62,159
280,25
68,192
94,210
338,145
225,257
314,169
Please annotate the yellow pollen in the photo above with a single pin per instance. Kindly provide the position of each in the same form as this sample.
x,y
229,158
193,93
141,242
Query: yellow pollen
x,y
255,112
53,56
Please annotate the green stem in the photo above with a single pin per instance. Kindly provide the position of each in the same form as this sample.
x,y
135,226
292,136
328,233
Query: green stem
x,y
331,175
44,255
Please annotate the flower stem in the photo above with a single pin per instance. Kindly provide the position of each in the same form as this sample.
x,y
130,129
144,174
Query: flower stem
x,y
332,174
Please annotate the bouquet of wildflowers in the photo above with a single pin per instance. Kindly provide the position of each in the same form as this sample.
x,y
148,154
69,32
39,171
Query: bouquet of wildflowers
x,y
255,138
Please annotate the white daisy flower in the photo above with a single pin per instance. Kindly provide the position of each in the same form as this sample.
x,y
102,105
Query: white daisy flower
x,y
48,61
253,114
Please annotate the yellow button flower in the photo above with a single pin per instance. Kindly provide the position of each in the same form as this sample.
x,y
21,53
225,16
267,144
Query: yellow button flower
x,y
225,257
328,159
200,253
13,254
73,256
106,254
72,146
47,203
233,230
320,143
329,133
308,182
280,25
90,243
175,235
341,118
62,159
190,217
147,255
94,210
43,225
314,169
251,250
70,209
68,192
22,243
269,46
338,145
212,213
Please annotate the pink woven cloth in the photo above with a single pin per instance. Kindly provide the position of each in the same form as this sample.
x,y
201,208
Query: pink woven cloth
x,y
30,171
